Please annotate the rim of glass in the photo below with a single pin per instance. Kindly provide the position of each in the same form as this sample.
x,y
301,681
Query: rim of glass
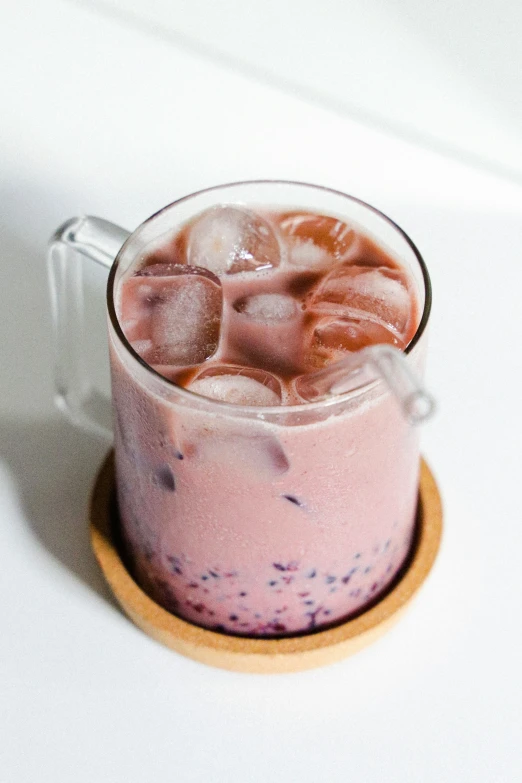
x,y
261,411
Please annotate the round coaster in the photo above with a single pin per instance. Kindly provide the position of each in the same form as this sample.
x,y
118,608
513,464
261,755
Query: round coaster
x,y
262,655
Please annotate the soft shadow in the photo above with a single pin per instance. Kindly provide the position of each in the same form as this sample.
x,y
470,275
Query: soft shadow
x,y
52,463
54,466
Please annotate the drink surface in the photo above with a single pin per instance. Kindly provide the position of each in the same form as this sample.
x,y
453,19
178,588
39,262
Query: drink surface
x,y
248,525
240,304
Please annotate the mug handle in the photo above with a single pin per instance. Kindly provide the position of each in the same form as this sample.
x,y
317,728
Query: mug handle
x,y
99,241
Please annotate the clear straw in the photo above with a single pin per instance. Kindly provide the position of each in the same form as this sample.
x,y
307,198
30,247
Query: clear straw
x,y
367,365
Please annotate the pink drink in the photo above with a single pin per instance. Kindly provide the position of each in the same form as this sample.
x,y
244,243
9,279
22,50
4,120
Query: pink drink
x,y
267,523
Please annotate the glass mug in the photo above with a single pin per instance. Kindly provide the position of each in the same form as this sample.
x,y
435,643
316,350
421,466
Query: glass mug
x,y
247,520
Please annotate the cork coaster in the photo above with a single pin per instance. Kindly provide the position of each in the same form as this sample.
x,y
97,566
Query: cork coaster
x,y
263,655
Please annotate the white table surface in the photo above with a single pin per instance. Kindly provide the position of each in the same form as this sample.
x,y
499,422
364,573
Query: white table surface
x,y
100,119
442,73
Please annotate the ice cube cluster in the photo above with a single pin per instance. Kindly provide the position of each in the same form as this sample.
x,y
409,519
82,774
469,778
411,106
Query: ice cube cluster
x,y
240,273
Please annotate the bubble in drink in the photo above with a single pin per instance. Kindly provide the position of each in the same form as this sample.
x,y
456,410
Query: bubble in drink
x,y
292,321
171,314
228,240
333,338
239,386
359,292
164,270
267,308
317,240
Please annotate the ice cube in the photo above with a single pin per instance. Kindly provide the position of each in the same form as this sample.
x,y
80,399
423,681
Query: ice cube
x,y
248,449
229,239
306,254
334,338
171,313
317,240
255,454
358,292
238,385
267,308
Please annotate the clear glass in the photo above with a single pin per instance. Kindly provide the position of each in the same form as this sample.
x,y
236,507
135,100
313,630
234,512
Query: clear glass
x,y
75,240
257,521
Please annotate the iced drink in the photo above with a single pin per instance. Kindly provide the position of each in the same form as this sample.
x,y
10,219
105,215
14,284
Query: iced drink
x,y
244,507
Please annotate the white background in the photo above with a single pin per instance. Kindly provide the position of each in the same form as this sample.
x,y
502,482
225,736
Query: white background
x,y
443,73
100,117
